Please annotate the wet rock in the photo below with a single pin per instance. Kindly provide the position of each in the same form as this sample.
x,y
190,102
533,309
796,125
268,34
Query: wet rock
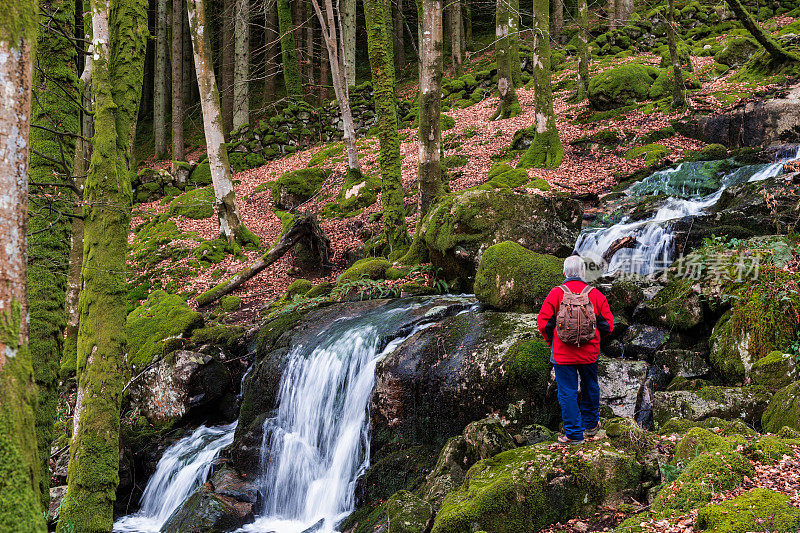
x,y
677,362
534,434
641,341
56,497
488,437
744,403
623,297
677,306
620,383
408,513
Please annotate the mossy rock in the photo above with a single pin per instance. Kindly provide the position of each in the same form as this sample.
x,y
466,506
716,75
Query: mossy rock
x,y
712,152
502,175
513,278
621,86
783,409
326,155
298,287
150,326
737,51
195,204
775,371
408,513
298,186
201,175
699,440
358,191
651,153
230,303
677,306
540,184
214,251
662,86
718,425
369,268
744,403
754,510
624,296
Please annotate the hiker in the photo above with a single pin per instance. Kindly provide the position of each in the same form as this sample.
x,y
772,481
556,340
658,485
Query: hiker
x,y
573,320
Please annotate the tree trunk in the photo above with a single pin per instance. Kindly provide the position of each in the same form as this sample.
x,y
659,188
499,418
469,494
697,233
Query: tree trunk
x,y
189,87
324,74
271,49
558,19
227,61
241,93
611,13
583,51
678,100
178,8
546,150
348,14
467,16
230,225
509,104
455,31
19,462
764,39
399,41
93,472
291,72
55,124
624,8
513,36
382,66
308,33
431,183
160,81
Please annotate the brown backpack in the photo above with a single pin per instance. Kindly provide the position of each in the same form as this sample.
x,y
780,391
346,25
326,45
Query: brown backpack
x,y
576,323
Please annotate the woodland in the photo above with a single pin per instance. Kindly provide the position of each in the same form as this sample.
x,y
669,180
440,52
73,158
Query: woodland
x,y
274,265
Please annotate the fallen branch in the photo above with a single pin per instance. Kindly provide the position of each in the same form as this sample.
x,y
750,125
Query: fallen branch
x,y
625,242
304,228
764,39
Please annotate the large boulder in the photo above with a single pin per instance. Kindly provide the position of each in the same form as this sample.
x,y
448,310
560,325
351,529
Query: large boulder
x,y
756,506
775,371
408,513
745,403
677,306
621,86
298,186
783,409
621,382
462,226
513,278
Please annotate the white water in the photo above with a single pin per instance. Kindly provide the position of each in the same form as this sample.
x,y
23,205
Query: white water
x,y
317,445
656,247
183,467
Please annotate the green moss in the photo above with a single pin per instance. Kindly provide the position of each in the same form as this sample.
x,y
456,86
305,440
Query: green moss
x,y
662,86
357,192
783,409
768,450
621,86
737,51
540,184
759,509
220,335
326,155
230,303
774,371
161,317
321,290
511,277
672,307
454,161
502,175
298,287
723,427
201,175
545,151
302,183
712,152
365,268
447,122
651,153
213,252
195,204
528,364
291,73
698,440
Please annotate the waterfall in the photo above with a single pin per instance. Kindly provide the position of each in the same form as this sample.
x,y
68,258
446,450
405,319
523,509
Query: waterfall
x,y
655,249
183,467
317,444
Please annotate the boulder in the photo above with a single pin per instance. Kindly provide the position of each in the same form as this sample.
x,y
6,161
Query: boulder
x,y
756,506
737,51
488,437
624,296
408,513
56,497
677,306
462,226
783,409
775,371
451,467
621,382
642,341
298,186
620,86
744,403
513,278
677,362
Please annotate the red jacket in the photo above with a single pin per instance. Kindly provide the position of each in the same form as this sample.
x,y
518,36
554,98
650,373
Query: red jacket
x,y
566,354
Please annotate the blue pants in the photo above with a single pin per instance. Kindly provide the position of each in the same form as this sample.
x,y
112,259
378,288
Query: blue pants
x,y
579,410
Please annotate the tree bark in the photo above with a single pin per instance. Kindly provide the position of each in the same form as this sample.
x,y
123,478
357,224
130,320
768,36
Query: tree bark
x,y
272,49
678,99
624,8
769,44
382,66
457,38
308,33
558,19
509,104
324,80
178,8
241,76
348,14
227,63
291,72
19,462
431,182
466,13
117,73
611,13
160,81
583,51
55,124
513,36
230,224
189,86
399,41
546,150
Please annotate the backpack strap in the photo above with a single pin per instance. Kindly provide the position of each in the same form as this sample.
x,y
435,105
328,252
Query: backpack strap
x,y
565,289
587,289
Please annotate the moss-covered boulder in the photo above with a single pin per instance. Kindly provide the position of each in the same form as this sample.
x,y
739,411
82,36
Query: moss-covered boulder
x,y
624,296
677,306
358,191
737,51
368,268
156,327
462,226
621,381
195,204
408,513
750,511
718,425
662,86
783,409
775,371
294,188
451,468
488,437
503,175
529,488
230,303
620,86
744,403
513,278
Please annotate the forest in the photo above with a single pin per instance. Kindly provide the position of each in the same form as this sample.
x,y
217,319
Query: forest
x,y
275,266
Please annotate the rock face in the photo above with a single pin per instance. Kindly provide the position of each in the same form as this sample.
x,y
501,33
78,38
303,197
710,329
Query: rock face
x,y
756,122
783,409
621,382
462,226
745,403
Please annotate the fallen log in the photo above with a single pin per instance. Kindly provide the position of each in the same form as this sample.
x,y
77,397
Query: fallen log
x,y
303,229
625,242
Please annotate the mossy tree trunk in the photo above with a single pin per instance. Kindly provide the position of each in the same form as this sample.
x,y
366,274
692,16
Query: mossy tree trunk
x,y
399,35
291,72
431,182
178,9
678,99
348,14
160,81
20,507
509,104
763,38
546,150
455,36
241,73
583,52
117,73
230,223
54,127
513,35
557,21
271,48
379,40
333,37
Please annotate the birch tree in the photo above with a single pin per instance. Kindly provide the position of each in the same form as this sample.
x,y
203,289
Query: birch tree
x,y
509,104
178,8
583,51
19,463
241,74
431,182
230,223
347,11
546,150
160,81
333,38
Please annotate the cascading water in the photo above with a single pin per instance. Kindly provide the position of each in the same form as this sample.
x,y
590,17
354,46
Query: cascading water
x,y
183,467
655,248
317,444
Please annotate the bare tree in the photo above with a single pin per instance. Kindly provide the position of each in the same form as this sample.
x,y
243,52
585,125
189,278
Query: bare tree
x,y
557,21
348,14
678,99
583,51
241,72
271,48
456,36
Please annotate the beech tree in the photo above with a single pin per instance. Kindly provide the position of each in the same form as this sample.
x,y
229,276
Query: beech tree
x,y
456,36
271,48
160,81
546,150
19,462
347,10
678,88
379,41
241,74
178,8
503,46
583,51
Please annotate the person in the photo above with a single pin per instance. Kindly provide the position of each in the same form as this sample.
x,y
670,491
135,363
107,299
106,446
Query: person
x,y
574,336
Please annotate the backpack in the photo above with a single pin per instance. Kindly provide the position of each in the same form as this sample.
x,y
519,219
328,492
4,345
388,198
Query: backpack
x,y
576,323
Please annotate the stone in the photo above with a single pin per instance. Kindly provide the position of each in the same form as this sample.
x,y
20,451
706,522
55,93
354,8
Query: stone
x,y
676,306
677,362
488,437
451,467
620,86
620,384
744,403
641,341
775,371
783,409
56,497
756,506
408,513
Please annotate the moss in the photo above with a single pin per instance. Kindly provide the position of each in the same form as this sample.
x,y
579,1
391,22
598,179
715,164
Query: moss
x,y
230,303
302,183
201,175
326,155
194,204
357,192
511,277
220,335
783,409
621,86
447,122
502,175
737,51
758,509
161,317
662,86
528,364
291,73
321,290
213,252
768,450
774,371
712,152
454,161
539,184
545,151
651,153
298,287
676,305
365,268
698,440
723,427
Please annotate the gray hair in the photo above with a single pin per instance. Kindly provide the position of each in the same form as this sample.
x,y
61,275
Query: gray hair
x,y
574,267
